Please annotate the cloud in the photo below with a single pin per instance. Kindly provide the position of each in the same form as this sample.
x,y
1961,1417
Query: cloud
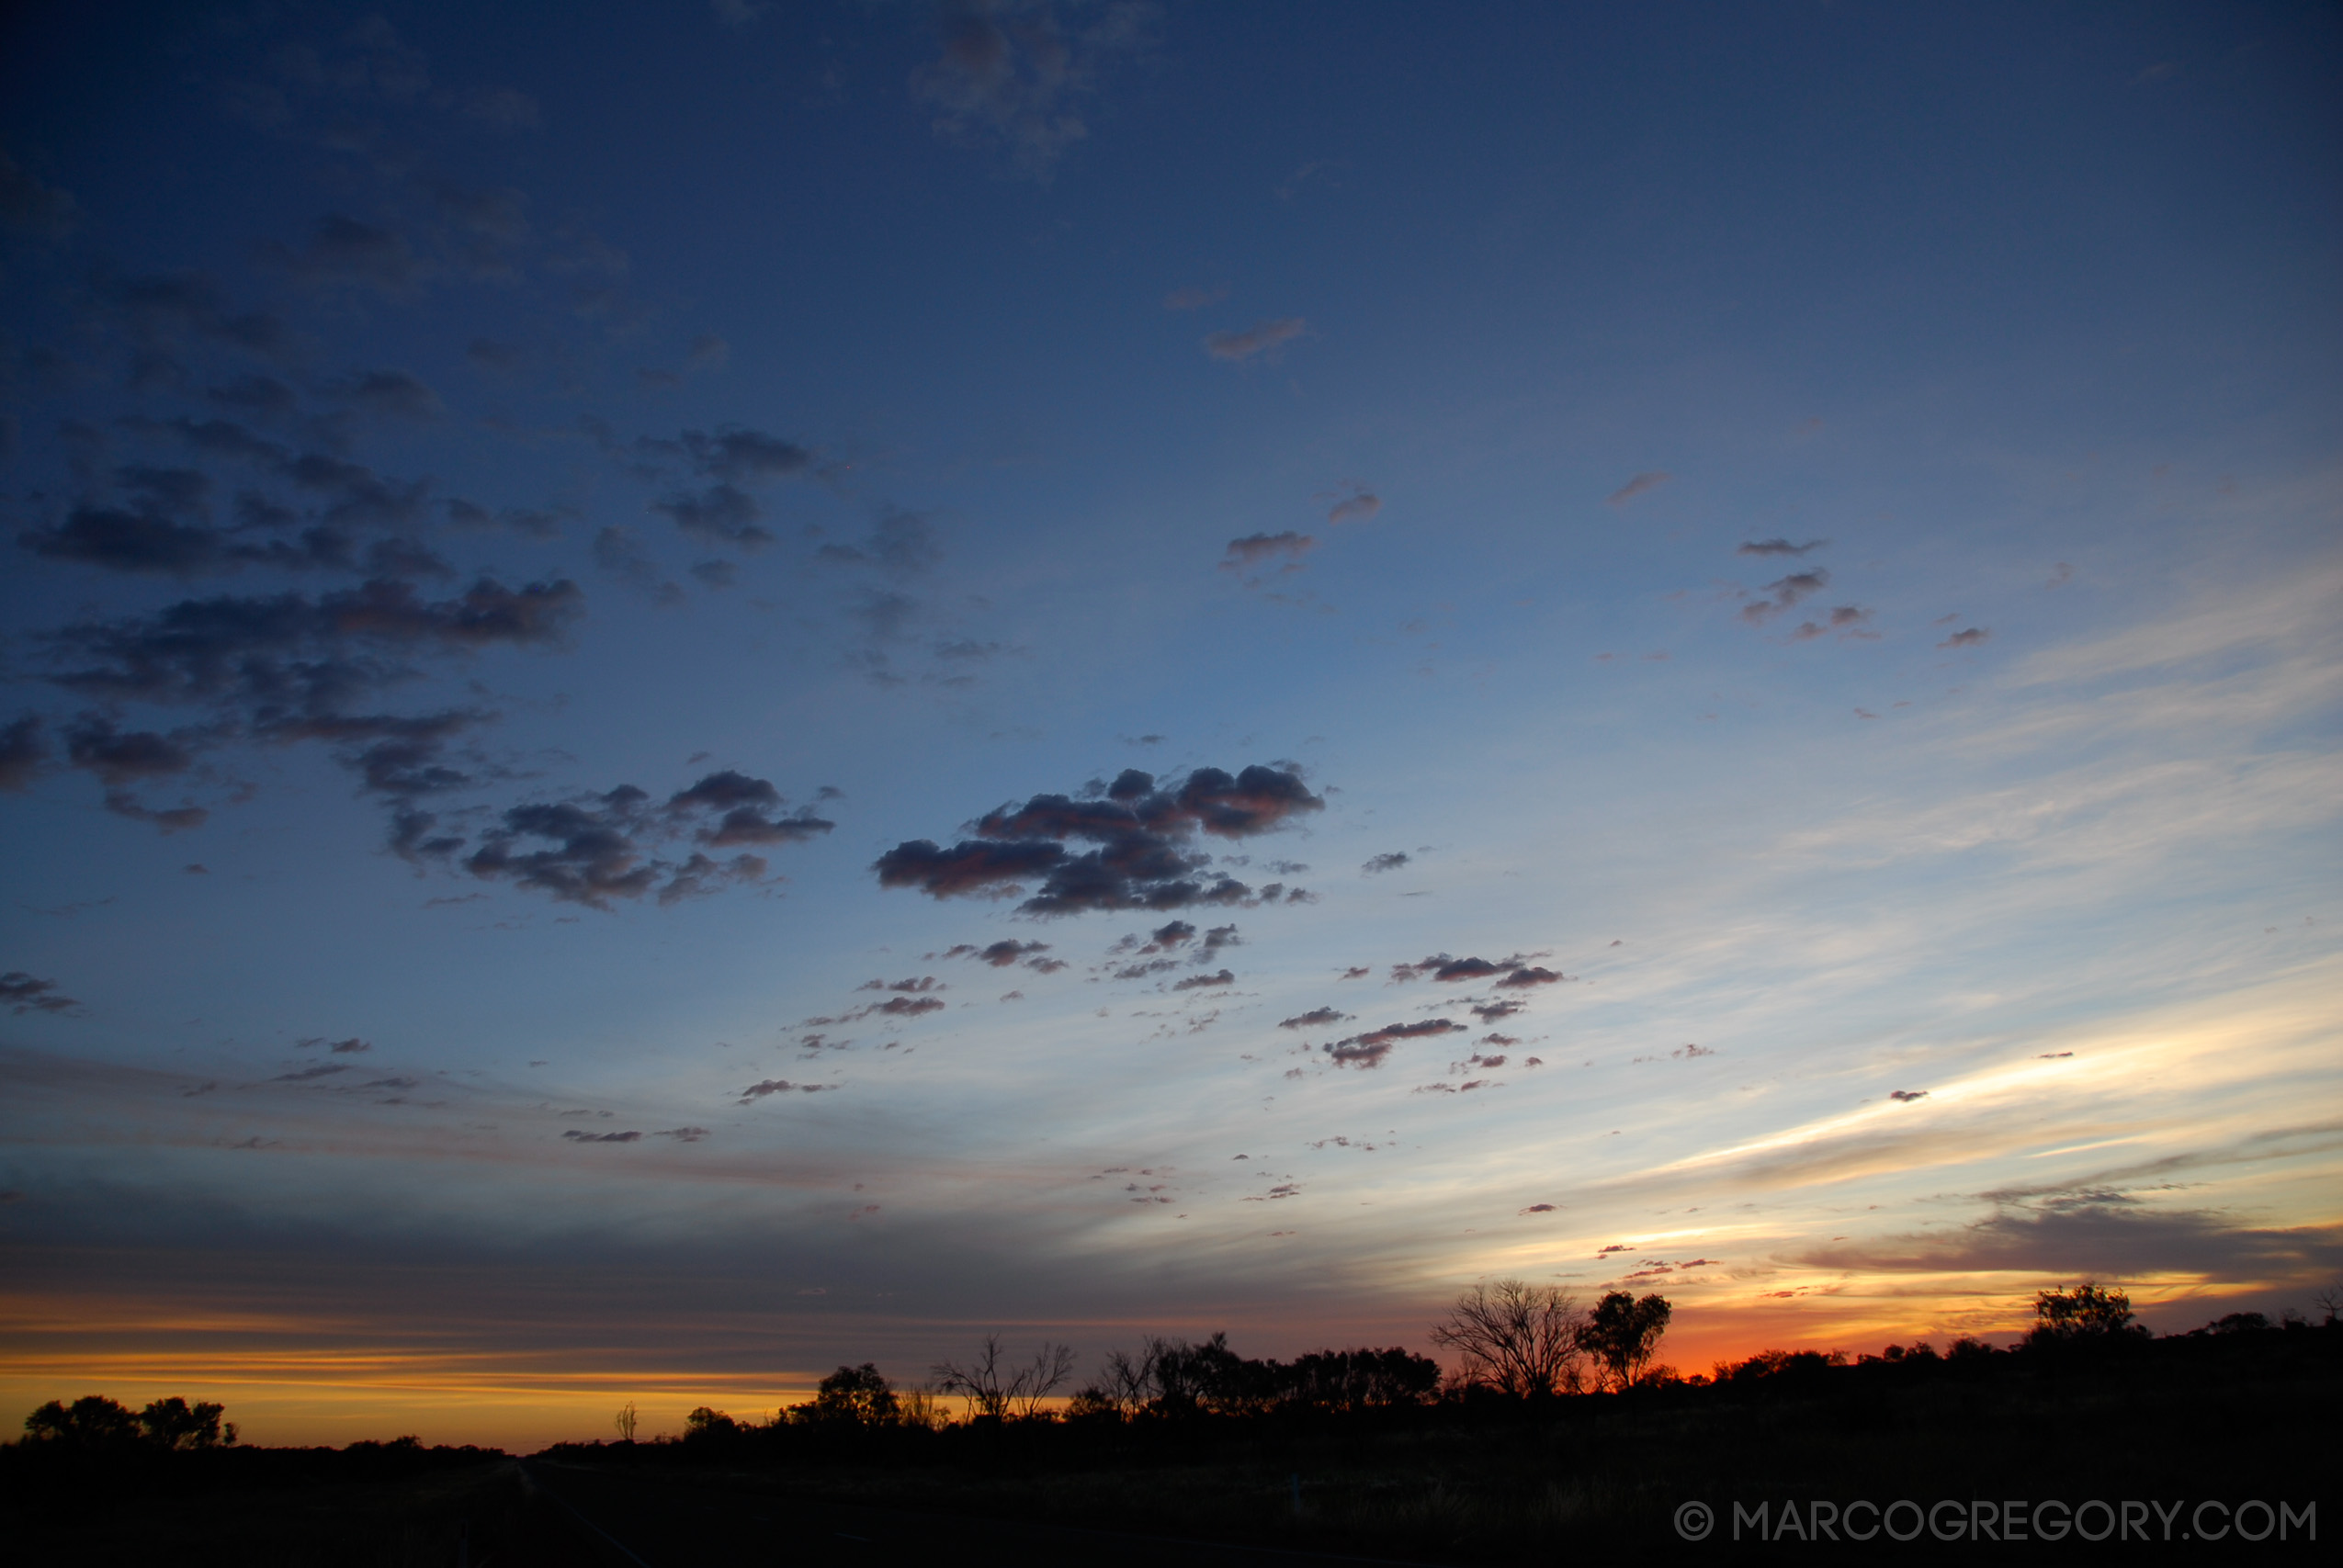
x,y
619,551
1906,1096
290,647
1193,298
911,986
1381,863
391,394
722,511
781,1086
1786,592
2061,574
349,1047
160,311
1255,549
2105,1236
750,809
22,750
20,993
1490,1012
1368,1050
1143,831
733,458
1198,982
1538,1208
1642,484
1002,954
1779,547
343,252
575,1137
31,208
307,1074
1259,338
1356,507
1011,75
1969,638
1317,1017
595,848
1511,971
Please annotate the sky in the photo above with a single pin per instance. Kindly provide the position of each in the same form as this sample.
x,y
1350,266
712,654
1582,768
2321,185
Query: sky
x,y
720,689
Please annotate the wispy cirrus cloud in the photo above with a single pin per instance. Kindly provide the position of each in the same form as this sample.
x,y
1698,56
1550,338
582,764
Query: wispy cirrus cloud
x,y
1261,337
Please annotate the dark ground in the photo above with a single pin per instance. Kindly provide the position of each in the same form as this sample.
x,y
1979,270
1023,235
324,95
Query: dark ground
x,y
1595,1480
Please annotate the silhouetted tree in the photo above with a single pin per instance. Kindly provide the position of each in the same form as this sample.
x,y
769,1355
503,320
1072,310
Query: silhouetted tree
x,y
1126,1384
173,1423
92,1422
998,1391
1520,1338
856,1394
1622,1332
625,1421
708,1425
2084,1313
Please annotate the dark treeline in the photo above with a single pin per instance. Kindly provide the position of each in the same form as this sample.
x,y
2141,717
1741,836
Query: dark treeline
x,y
1552,1427
1527,1354
172,1442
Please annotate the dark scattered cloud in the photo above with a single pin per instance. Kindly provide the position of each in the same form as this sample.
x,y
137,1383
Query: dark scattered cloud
x,y
391,394
119,757
160,312
2105,1235
1906,1095
1317,1017
309,1075
1356,507
1968,637
1261,337
1381,863
1514,971
1847,620
1785,591
1539,1209
1642,484
22,993
781,1086
1490,1012
1012,78
31,208
351,1047
1143,831
620,552
1002,954
915,985
293,649
1368,1050
595,847
1779,547
751,812
346,251
1254,550
732,460
1199,982
722,511
1357,972
575,1137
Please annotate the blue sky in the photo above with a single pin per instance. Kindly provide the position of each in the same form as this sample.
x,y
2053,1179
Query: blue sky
x,y
1814,527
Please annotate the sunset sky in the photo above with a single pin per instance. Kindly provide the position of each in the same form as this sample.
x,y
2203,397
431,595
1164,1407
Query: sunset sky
x,y
725,688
